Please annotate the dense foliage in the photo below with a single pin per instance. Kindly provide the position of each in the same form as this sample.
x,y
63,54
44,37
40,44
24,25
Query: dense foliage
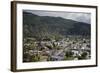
x,y
52,27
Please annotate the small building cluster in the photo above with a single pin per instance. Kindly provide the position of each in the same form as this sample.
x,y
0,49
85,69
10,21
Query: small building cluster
x,y
65,49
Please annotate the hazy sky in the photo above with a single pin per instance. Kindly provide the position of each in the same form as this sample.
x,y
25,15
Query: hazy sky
x,y
77,16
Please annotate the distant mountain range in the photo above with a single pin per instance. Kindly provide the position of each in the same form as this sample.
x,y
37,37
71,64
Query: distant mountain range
x,y
47,25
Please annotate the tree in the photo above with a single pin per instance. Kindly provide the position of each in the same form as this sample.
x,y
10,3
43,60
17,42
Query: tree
x,y
83,56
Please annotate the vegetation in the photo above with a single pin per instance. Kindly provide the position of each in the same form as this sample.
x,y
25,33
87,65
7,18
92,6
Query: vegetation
x,y
54,39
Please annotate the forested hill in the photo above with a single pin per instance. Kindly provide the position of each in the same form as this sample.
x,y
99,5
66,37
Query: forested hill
x,y
35,25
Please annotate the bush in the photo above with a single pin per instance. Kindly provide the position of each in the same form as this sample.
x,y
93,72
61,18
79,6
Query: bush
x,y
69,54
83,56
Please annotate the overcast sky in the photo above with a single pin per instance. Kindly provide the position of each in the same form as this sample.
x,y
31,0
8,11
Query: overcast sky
x,y
77,16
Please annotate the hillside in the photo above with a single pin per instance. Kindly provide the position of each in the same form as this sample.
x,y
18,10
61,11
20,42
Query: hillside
x,y
35,26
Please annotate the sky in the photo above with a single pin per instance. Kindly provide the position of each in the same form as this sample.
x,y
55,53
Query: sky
x,y
77,16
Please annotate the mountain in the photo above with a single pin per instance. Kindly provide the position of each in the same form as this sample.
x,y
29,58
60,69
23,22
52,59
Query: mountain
x,y
34,25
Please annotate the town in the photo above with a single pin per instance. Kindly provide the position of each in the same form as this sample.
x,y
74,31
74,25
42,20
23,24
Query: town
x,y
69,48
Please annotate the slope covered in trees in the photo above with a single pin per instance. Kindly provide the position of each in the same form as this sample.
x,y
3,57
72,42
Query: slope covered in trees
x,y
46,26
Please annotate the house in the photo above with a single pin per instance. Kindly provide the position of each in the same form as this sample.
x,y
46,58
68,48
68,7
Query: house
x,y
58,55
75,52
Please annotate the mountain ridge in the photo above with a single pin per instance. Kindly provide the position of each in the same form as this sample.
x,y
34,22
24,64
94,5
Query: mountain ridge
x,y
34,24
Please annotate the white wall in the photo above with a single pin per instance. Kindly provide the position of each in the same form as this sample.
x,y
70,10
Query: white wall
x,y
5,37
